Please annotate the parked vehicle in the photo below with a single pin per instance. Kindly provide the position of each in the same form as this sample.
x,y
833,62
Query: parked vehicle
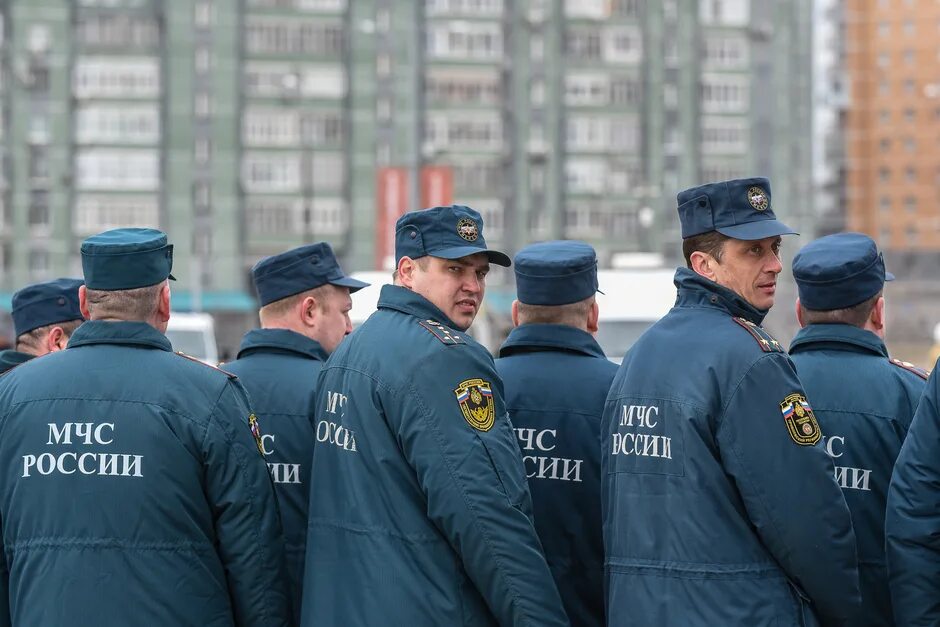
x,y
194,335
632,301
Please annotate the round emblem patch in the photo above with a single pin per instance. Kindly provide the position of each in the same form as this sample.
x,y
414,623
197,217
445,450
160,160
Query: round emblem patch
x,y
758,198
467,229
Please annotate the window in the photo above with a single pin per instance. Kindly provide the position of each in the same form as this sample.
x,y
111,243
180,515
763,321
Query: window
x,y
623,44
271,172
329,216
202,106
202,151
587,89
324,6
478,41
94,214
112,124
725,94
328,171
469,131
116,77
884,175
459,87
724,12
270,127
586,176
38,264
493,216
291,80
909,144
117,30
477,176
117,169
910,174
322,129
294,36
202,14
470,8
629,9
590,9
583,44
727,52
724,135
38,163
625,91
202,60
910,204
39,218
884,203
273,216
719,171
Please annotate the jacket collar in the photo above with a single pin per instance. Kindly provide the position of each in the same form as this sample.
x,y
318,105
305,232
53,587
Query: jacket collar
x,y
697,291
10,358
264,340
119,332
840,336
555,336
406,301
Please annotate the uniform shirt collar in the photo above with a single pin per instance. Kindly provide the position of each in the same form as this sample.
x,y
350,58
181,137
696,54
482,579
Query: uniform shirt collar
x,y
550,336
11,358
119,332
697,291
406,301
277,340
840,336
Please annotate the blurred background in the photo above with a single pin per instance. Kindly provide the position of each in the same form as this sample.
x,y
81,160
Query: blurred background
x,y
246,127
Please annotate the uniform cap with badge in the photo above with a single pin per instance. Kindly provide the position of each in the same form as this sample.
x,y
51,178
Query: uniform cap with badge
x,y
738,208
46,303
555,273
298,270
839,271
449,232
126,259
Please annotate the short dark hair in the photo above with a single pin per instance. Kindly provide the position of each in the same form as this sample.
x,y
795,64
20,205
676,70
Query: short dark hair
x,y
711,243
30,341
856,315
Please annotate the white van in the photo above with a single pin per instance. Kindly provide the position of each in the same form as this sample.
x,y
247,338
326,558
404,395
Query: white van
x,y
194,335
632,301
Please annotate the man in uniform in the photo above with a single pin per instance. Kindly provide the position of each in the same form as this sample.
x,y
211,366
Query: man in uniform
x,y
912,521
132,489
419,511
44,316
720,506
557,378
304,315
864,400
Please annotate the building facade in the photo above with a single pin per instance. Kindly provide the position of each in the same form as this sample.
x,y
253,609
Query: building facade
x,y
244,127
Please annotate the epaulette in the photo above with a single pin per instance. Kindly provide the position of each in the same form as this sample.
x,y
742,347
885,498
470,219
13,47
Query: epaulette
x,y
906,365
199,361
444,334
764,339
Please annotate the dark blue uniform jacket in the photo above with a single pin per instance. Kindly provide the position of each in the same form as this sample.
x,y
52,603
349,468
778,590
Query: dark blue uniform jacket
x,y
279,368
419,511
11,359
132,491
556,379
714,513
912,524
864,404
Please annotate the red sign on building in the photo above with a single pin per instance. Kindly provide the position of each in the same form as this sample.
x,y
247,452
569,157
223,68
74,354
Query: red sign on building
x,y
392,203
437,186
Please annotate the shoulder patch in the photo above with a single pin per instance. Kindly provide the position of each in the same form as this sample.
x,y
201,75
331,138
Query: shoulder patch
x,y
764,339
800,419
443,333
475,398
190,358
906,365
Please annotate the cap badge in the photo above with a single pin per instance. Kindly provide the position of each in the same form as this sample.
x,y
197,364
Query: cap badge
x,y
758,198
467,229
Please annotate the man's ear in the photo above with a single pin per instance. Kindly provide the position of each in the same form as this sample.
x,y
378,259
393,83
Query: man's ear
x,y
704,264
593,317
515,313
83,302
406,270
877,316
799,313
55,340
308,311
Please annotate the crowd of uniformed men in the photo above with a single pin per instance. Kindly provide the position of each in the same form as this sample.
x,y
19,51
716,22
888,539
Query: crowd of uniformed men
x,y
400,477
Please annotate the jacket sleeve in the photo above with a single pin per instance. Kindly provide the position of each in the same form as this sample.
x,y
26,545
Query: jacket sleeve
x,y
789,489
912,520
476,488
247,522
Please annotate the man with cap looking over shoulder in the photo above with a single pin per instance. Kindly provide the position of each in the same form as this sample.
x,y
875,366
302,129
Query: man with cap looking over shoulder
x,y
557,378
864,400
305,305
132,489
419,511
44,316
719,502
